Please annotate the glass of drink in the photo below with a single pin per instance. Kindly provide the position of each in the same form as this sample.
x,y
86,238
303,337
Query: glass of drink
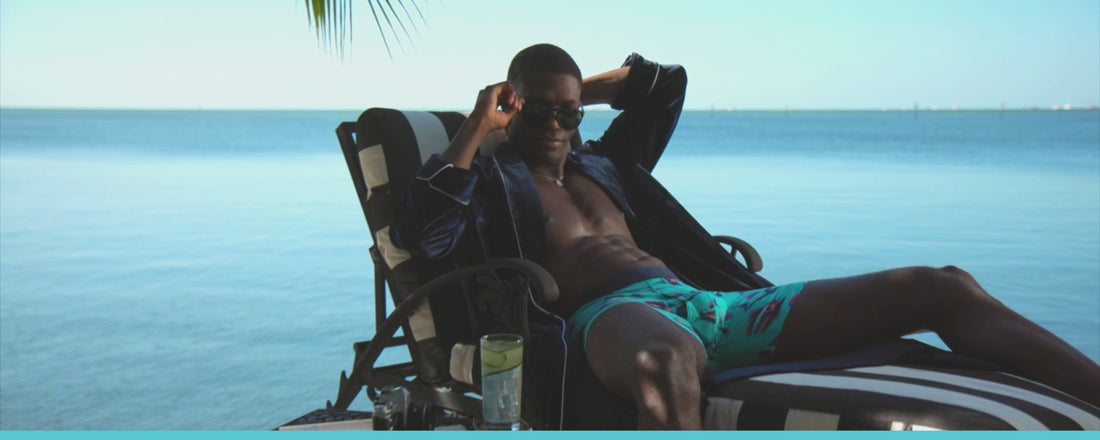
x,y
501,380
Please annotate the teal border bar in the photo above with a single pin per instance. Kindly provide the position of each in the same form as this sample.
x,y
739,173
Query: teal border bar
x,y
572,435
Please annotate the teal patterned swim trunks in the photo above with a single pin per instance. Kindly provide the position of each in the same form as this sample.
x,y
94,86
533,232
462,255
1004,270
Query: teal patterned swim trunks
x,y
734,328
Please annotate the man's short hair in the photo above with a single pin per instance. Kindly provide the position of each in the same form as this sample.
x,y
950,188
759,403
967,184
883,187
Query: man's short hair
x,y
544,57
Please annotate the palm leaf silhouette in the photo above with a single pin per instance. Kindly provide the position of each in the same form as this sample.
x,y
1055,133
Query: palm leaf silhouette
x,y
331,21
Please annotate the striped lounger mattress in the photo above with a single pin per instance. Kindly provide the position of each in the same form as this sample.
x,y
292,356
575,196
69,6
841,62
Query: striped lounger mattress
x,y
894,396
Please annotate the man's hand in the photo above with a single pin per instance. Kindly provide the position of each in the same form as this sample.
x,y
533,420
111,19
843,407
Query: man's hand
x,y
496,105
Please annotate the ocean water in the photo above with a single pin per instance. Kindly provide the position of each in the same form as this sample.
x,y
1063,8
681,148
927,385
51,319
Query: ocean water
x,y
209,270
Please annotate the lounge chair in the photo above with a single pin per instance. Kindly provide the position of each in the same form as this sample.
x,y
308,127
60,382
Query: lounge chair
x,y
901,385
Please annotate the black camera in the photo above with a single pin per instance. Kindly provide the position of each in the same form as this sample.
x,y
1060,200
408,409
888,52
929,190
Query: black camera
x,y
394,410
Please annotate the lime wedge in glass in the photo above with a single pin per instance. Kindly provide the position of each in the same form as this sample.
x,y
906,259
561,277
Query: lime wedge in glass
x,y
494,360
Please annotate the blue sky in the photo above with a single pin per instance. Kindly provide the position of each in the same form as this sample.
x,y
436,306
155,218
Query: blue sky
x,y
853,54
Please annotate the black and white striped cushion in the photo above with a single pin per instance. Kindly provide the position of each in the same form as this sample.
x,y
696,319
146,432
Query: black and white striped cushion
x,y
896,397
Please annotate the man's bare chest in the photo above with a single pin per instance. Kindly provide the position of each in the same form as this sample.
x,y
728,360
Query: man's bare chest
x,y
579,208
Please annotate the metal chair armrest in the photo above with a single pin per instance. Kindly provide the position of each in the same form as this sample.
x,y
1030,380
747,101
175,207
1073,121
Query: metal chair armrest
x,y
752,258
543,287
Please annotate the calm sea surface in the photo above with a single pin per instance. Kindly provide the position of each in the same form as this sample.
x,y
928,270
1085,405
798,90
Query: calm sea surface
x,y
209,270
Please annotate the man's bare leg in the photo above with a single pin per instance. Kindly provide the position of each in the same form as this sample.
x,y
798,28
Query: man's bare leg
x,y
835,315
636,352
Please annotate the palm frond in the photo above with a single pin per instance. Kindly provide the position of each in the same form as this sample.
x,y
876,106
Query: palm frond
x,y
390,23
418,13
411,21
406,31
332,23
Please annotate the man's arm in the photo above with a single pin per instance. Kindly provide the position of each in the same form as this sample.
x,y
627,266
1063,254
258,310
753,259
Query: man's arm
x,y
432,212
484,119
651,97
602,88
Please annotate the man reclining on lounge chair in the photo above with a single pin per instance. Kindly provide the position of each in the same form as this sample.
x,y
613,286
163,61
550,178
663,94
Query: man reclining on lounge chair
x,y
647,335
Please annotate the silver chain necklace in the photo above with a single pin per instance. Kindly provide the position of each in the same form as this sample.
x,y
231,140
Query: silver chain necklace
x,y
560,181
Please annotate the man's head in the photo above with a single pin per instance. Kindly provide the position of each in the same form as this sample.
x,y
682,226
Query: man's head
x,y
549,82
545,58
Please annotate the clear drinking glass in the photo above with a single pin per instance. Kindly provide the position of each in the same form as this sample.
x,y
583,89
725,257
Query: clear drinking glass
x,y
501,380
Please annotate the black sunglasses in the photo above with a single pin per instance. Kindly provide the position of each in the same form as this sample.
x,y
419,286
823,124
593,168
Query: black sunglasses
x,y
539,113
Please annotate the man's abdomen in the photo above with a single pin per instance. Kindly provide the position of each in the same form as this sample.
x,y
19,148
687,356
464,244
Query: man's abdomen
x,y
587,262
